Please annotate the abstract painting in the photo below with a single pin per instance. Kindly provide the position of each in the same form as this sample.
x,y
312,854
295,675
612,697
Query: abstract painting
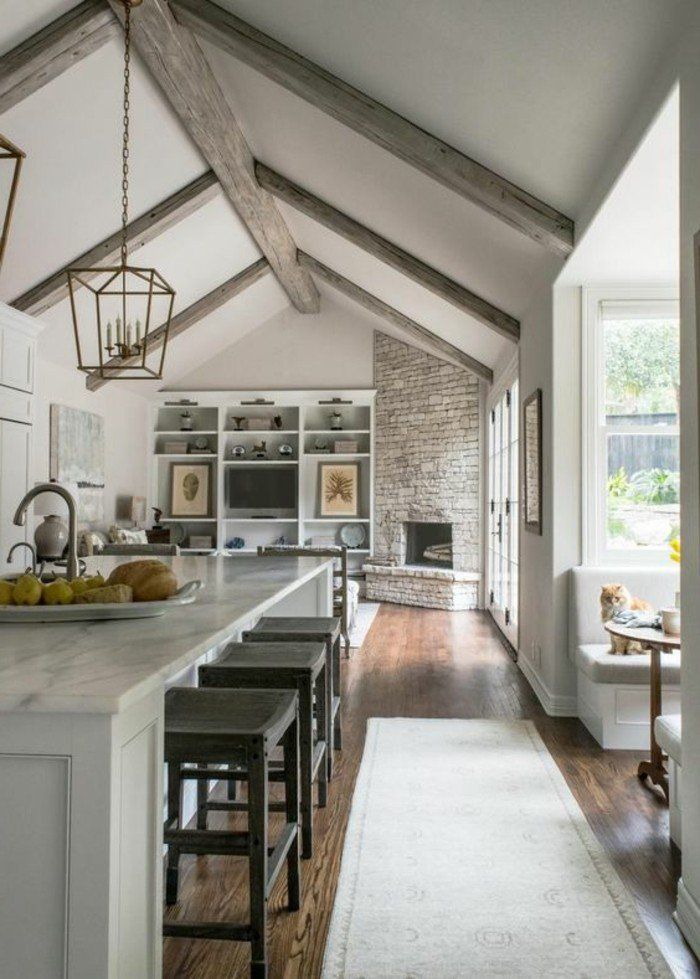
x,y
77,455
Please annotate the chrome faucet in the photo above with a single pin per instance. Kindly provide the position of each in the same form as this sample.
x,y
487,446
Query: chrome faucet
x,y
30,548
21,515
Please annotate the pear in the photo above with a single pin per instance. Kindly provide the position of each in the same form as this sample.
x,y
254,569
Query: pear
x,y
27,590
6,592
79,585
58,593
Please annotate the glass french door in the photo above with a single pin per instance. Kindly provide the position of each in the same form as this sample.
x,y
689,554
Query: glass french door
x,y
503,513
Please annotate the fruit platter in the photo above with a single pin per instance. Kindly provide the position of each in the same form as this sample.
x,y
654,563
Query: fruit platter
x,y
136,590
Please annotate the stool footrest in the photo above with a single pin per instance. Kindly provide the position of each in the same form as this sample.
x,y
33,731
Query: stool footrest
x,y
243,806
204,841
207,929
279,853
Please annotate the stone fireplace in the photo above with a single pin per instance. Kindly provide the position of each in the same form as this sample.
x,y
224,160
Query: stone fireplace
x,y
427,480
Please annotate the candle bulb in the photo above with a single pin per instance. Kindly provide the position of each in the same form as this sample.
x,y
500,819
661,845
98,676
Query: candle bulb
x,y
128,334
119,331
109,335
138,333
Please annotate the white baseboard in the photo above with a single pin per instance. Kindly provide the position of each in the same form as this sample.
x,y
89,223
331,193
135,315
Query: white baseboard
x,y
556,705
687,917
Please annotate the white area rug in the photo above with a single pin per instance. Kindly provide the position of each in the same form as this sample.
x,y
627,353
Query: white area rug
x,y
467,856
366,614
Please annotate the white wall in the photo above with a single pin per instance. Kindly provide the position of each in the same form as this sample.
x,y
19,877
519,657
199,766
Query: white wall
x,y
125,415
331,349
689,889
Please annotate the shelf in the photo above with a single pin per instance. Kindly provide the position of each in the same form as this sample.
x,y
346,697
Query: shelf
x,y
177,431
336,520
336,455
261,519
260,431
186,455
336,431
197,550
188,519
261,462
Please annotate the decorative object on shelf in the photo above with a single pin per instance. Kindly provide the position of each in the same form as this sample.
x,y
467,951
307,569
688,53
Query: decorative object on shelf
x,y
336,421
339,485
352,534
532,454
201,542
157,514
186,421
345,446
281,541
671,621
11,159
159,536
135,299
190,489
238,421
260,450
51,535
285,449
138,511
235,544
277,422
256,424
90,542
77,455
201,444
175,448
321,446
238,452
177,534
124,535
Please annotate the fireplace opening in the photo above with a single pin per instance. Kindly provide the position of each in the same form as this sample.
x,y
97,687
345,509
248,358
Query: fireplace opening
x,y
429,544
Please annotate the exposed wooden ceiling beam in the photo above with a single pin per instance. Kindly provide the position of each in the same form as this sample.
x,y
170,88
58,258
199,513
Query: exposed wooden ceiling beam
x,y
143,229
192,315
61,44
379,124
386,251
404,324
176,62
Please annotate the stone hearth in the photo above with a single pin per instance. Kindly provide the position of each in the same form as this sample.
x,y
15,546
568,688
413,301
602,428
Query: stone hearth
x,y
411,584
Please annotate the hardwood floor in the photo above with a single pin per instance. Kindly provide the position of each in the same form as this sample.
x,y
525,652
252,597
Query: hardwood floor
x,y
423,663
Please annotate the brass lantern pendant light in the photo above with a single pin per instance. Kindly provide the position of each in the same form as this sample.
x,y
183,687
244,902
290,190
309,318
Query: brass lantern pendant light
x,y
122,314
12,155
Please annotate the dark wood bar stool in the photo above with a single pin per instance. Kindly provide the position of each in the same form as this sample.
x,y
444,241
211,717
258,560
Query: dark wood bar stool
x,y
308,629
211,727
298,666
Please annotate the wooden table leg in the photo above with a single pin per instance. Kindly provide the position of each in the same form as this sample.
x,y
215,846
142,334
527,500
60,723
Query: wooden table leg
x,y
654,769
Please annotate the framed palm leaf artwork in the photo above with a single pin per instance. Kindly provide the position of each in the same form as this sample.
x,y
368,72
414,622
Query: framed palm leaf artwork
x,y
339,489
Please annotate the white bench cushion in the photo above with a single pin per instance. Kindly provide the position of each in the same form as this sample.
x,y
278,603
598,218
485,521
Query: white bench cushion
x,y
597,662
667,729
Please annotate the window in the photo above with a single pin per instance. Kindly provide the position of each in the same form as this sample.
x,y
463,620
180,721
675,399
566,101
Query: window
x,y
631,441
503,511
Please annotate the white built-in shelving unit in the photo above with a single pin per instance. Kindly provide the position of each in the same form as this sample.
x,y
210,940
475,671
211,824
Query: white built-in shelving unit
x,y
305,420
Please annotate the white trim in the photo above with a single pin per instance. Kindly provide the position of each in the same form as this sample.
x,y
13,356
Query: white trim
x,y
9,316
687,917
593,547
556,705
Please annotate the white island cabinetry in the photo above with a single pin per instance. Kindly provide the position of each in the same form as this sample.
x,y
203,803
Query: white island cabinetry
x,y
81,764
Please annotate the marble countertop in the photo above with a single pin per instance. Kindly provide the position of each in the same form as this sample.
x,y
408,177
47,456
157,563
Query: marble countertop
x,y
103,667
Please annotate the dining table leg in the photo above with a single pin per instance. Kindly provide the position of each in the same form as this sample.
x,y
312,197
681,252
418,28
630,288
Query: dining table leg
x,y
655,769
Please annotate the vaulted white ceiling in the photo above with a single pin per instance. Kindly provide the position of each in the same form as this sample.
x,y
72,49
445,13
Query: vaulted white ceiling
x,y
539,91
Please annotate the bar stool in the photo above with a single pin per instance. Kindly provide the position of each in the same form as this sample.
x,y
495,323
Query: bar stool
x,y
208,726
298,666
308,629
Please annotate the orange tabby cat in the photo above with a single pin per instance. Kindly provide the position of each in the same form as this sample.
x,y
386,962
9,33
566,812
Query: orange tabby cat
x,y
614,599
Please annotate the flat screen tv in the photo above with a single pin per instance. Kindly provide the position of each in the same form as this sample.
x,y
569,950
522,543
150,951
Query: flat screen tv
x,y
261,488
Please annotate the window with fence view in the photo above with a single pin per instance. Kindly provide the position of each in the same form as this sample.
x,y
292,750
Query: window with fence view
x,y
639,436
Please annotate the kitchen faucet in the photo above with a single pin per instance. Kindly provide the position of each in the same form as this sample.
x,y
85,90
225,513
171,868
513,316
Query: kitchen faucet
x,y
30,548
21,515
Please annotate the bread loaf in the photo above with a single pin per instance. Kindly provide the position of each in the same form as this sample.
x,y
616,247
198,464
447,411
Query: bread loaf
x,y
110,595
151,580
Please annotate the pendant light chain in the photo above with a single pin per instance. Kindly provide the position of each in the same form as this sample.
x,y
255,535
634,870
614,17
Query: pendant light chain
x,y
125,137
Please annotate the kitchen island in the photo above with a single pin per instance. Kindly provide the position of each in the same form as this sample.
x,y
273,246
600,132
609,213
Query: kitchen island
x,y
81,747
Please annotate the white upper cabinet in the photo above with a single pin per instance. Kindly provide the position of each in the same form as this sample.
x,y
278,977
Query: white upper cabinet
x,y
16,359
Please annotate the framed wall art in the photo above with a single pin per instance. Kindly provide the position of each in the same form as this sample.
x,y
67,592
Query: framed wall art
x,y
190,490
339,489
532,462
